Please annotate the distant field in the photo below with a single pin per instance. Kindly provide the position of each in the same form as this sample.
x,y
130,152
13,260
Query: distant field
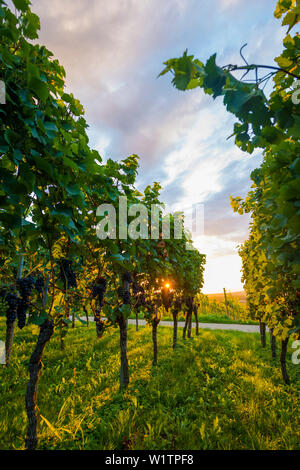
x,y
241,296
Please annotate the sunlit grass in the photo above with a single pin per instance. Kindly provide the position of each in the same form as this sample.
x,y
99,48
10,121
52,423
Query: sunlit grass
x,y
216,391
209,317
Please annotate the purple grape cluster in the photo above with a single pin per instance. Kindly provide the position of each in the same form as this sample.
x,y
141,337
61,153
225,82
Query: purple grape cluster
x,y
25,286
39,284
67,274
98,290
139,294
21,313
12,301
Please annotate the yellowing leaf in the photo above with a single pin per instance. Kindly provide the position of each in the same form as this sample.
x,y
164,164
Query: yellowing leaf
x,y
51,427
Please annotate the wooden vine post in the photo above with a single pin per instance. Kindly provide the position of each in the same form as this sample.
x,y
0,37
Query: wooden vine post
x,y
226,303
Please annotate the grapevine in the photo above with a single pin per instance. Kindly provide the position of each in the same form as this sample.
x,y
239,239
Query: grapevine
x,y
67,274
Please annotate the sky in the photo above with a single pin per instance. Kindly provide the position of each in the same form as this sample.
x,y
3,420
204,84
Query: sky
x,y
113,51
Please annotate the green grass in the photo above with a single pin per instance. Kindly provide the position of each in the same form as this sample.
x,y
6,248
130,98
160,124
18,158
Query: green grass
x,y
206,318
217,391
213,318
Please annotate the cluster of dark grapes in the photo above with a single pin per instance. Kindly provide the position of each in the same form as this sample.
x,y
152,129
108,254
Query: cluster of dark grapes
x,y
21,313
139,294
10,301
16,305
25,286
67,274
39,284
98,290
3,304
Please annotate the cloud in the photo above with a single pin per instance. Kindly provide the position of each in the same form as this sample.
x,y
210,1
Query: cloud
x,y
220,219
113,52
